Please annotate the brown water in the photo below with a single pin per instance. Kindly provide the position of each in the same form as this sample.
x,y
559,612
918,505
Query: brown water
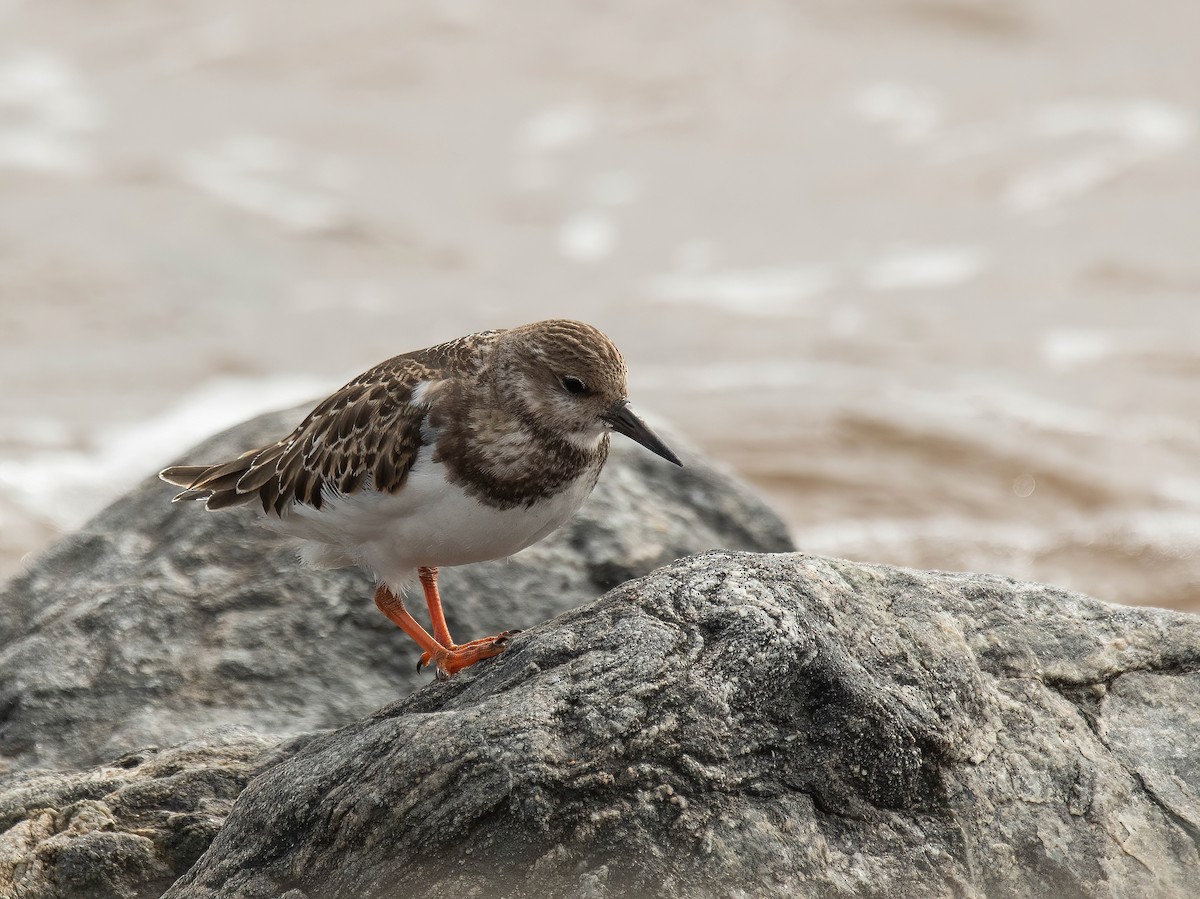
x,y
925,271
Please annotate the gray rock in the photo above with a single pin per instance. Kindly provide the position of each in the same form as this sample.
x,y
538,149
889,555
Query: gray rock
x,y
128,829
751,725
158,621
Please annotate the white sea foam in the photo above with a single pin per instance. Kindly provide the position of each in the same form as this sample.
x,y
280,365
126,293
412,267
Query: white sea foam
x,y
1152,124
558,127
36,432
912,114
587,237
981,401
734,377
845,321
1053,185
768,291
1124,134
1138,132
270,178
872,535
45,115
65,487
924,267
1179,489
1176,532
1067,349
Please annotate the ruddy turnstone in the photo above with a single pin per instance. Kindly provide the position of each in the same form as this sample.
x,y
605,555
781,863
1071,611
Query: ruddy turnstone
x,y
462,452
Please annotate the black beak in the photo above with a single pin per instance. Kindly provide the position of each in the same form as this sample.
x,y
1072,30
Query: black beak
x,y
625,421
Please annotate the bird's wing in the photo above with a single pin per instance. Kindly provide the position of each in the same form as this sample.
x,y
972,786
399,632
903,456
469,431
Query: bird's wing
x,y
368,432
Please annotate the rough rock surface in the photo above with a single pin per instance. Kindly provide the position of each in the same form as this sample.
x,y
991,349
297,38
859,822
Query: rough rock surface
x,y
128,829
157,621
751,725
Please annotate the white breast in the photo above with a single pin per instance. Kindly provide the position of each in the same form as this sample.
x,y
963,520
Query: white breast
x,y
428,522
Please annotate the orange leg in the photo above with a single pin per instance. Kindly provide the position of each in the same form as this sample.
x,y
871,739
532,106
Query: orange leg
x,y
393,606
447,656
433,599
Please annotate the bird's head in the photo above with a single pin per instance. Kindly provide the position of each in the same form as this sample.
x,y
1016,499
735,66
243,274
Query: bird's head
x,y
568,377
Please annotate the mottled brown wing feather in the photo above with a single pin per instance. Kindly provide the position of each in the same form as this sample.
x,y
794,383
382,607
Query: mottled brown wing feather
x,y
368,433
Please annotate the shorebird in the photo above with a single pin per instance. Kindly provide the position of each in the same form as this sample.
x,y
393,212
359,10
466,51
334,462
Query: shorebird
x,y
459,453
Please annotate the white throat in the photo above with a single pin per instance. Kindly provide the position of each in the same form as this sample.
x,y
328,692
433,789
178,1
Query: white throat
x,y
588,441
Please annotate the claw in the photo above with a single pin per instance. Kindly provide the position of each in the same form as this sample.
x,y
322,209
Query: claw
x,y
452,659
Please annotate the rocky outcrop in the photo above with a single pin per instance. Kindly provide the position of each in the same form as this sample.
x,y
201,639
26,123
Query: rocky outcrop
x,y
158,621
128,829
731,725
753,725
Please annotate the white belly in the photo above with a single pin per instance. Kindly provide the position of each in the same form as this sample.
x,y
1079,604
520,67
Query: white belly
x,y
429,522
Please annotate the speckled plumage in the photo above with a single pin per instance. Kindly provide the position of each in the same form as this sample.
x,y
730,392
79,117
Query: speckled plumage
x,y
462,452
365,435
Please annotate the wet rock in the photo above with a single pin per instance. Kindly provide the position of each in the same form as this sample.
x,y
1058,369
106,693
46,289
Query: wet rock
x,y
158,621
752,725
128,829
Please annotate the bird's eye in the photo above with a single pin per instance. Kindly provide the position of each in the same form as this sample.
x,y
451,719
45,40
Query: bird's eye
x,y
573,385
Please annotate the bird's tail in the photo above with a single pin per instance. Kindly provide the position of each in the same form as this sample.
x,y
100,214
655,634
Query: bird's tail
x,y
216,485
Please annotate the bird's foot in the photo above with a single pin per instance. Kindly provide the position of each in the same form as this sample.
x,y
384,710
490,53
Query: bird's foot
x,y
454,658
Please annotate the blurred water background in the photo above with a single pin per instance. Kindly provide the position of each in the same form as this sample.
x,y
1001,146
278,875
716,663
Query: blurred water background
x,y
926,272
